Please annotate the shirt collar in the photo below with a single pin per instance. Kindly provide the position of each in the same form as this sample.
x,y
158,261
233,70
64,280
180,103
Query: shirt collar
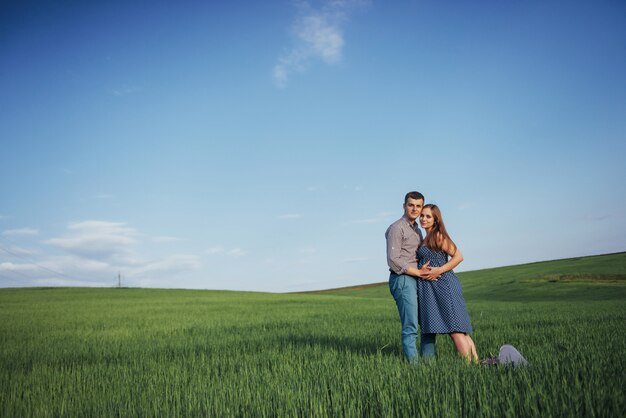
x,y
414,226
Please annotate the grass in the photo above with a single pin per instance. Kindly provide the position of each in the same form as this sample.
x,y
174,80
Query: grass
x,y
532,282
146,352
581,278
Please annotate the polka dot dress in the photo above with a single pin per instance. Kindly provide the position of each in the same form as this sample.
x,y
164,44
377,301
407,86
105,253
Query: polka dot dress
x,y
441,305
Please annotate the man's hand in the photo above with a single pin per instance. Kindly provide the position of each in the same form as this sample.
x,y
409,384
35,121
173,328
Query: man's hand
x,y
424,272
433,273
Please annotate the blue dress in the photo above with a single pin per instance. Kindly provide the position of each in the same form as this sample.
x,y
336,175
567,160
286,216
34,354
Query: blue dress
x,y
441,305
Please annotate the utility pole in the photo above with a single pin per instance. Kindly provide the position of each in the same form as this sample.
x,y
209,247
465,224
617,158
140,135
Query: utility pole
x,y
119,279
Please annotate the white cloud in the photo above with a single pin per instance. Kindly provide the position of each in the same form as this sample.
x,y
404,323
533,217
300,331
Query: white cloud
x,y
380,218
99,239
94,253
21,232
356,260
124,90
67,270
79,266
20,251
308,251
322,36
291,216
163,239
219,250
81,271
215,250
596,217
55,281
318,36
365,221
9,267
236,252
465,206
104,196
171,265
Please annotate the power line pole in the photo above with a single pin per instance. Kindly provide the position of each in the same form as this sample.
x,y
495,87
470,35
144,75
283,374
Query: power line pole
x,y
119,279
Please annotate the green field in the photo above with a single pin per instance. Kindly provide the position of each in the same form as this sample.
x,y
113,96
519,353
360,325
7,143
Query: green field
x,y
148,352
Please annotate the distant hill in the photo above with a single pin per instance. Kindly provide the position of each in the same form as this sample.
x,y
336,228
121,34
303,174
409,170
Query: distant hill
x,y
600,277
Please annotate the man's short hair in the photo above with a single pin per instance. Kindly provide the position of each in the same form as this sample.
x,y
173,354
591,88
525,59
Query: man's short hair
x,y
413,195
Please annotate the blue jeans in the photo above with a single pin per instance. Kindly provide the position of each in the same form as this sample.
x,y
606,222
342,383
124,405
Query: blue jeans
x,y
404,290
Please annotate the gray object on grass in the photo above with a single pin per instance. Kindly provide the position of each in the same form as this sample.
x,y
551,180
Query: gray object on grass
x,y
510,355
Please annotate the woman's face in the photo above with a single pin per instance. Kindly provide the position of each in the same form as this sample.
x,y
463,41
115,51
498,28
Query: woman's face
x,y
426,218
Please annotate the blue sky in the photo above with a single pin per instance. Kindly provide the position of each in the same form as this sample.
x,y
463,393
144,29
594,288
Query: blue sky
x,y
267,146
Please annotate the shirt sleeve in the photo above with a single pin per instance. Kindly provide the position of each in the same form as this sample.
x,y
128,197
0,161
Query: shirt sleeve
x,y
394,250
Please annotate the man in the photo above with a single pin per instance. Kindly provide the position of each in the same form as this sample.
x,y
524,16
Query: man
x,y
403,237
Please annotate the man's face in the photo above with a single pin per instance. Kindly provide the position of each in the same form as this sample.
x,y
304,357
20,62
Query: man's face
x,y
413,208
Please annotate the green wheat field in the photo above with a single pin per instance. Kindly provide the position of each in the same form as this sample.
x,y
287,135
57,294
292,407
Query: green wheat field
x,y
147,352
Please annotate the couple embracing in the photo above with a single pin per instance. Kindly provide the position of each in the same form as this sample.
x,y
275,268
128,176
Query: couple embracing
x,y
421,280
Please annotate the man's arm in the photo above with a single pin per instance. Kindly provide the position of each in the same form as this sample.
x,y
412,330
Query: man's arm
x,y
394,249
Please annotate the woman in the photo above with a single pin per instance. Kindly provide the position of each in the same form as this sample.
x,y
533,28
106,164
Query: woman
x,y
441,306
